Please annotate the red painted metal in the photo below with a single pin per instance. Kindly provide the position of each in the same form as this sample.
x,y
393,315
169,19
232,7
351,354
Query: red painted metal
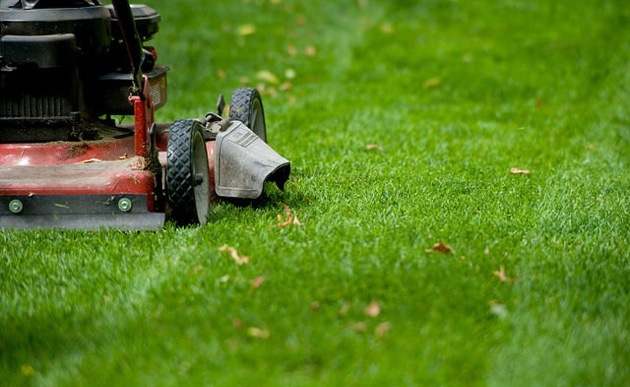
x,y
143,117
128,176
107,167
62,153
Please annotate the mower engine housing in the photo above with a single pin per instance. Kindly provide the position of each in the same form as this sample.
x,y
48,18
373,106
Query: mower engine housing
x,y
63,68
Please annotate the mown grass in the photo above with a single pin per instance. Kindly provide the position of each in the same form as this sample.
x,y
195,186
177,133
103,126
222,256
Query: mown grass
x,y
453,94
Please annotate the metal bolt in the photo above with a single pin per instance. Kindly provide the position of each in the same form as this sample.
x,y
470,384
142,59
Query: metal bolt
x,y
197,179
125,204
16,206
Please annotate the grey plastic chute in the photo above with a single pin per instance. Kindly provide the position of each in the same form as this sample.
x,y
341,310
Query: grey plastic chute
x,y
244,162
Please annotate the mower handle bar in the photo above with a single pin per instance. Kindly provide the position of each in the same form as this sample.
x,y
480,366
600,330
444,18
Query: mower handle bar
x,y
132,41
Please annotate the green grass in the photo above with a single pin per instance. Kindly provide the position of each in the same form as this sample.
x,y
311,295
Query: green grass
x,y
454,93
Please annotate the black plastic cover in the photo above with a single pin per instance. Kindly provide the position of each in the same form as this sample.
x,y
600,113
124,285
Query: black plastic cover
x,y
42,51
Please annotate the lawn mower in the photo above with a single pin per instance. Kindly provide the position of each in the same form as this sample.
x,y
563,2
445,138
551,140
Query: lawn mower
x,y
69,70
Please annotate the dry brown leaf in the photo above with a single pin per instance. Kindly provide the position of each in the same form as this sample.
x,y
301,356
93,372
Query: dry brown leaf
x,y
267,76
257,282
289,219
246,29
292,50
518,171
440,247
372,147
237,323
315,306
382,328
310,51
234,254
501,274
387,28
431,82
358,326
372,310
258,333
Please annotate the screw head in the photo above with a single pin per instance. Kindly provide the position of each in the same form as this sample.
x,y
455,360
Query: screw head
x,y
197,179
125,204
16,206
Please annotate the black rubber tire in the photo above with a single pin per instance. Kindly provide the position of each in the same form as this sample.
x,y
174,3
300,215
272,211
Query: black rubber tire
x,y
246,106
187,173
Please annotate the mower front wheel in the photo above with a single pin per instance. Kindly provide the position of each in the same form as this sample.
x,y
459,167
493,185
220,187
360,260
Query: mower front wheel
x,y
246,106
187,173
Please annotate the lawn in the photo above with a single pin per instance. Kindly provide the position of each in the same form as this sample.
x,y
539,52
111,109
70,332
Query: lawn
x,y
460,196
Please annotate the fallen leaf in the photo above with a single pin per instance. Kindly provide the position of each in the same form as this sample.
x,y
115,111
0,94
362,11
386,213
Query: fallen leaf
x,y
310,51
372,147
285,86
237,323
267,76
234,254
289,73
315,306
27,370
387,28
289,219
358,326
518,171
373,310
258,333
343,311
498,309
292,50
431,82
382,328
246,29
440,247
257,282
502,276
301,20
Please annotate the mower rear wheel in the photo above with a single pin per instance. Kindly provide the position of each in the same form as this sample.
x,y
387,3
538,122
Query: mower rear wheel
x,y
187,173
246,106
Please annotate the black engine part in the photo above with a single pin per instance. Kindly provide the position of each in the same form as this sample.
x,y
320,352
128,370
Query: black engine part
x,y
63,65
